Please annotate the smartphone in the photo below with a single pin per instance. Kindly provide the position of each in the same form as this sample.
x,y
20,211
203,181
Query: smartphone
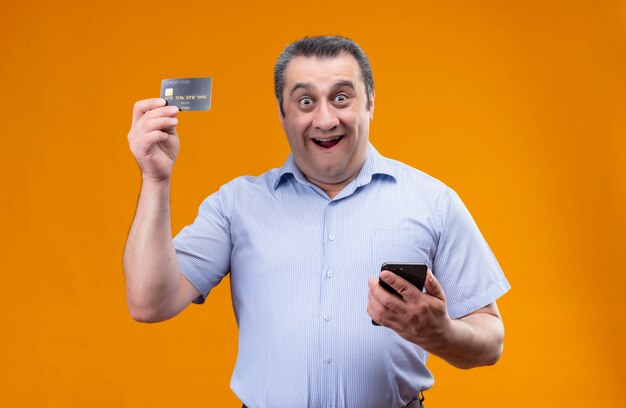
x,y
412,272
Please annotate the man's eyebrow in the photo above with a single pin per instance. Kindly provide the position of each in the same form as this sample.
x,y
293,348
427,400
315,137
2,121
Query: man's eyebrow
x,y
343,83
299,85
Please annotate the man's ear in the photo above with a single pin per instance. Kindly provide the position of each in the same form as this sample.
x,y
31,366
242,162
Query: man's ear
x,y
371,106
280,114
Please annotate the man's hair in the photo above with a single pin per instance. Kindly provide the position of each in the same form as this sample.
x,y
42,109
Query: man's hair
x,y
324,46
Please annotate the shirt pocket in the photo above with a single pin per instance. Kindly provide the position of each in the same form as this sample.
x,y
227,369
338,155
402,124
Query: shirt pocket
x,y
400,246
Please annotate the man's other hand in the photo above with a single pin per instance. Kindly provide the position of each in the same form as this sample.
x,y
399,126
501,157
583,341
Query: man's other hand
x,y
421,318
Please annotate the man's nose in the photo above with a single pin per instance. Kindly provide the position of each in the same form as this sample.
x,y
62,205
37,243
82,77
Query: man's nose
x,y
325,118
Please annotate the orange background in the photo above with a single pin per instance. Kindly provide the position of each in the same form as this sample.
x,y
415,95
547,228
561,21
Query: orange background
x,y
521,108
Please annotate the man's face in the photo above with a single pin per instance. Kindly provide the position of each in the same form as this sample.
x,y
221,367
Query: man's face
x,y
326,118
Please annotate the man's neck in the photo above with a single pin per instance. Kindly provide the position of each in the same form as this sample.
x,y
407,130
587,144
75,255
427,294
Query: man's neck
x,y
333,189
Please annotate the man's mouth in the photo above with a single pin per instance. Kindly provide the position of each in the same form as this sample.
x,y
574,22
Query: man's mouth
x,y
327,142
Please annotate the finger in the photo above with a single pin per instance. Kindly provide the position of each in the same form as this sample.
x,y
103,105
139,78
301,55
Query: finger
x,y
169,111
406,289
150,140
433,287
378,312
145,105
160,123
384,298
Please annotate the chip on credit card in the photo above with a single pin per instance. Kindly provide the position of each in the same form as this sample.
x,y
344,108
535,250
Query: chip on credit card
x,y
189,94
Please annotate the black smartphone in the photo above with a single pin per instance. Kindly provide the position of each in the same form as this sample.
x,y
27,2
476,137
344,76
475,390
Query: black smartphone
x,y
412,272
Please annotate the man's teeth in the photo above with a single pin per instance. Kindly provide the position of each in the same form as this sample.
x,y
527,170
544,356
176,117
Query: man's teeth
x,y
327,140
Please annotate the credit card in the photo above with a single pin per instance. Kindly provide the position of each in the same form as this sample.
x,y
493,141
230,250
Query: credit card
x,y
189,94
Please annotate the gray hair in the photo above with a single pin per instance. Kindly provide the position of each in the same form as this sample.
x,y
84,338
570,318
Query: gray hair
x,y
325,46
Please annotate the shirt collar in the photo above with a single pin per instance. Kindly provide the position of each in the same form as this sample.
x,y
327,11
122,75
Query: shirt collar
x,y
375,164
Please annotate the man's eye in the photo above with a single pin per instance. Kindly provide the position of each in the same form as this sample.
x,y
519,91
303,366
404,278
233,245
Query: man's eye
x,y
306,101
341,98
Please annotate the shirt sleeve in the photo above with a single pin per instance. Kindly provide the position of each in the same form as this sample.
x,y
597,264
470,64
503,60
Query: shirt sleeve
x,y
464,264
203,248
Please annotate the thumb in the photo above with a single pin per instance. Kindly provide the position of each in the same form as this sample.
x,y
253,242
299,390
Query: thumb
x,y
433,287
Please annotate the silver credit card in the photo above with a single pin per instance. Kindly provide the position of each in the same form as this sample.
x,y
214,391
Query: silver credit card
x,y
189,94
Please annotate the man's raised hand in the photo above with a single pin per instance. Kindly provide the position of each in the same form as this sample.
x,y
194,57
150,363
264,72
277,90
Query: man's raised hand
x,y
153,139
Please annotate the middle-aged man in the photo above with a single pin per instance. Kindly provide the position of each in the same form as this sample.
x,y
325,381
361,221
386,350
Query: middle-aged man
x,y
304,244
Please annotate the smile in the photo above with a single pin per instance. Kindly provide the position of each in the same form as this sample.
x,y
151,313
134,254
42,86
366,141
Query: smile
x,y
328,142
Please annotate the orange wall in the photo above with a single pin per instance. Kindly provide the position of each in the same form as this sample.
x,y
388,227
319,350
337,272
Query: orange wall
x,y
519,107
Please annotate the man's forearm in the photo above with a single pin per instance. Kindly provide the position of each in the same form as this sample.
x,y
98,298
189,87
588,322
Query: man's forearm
x,y
472,341
150,264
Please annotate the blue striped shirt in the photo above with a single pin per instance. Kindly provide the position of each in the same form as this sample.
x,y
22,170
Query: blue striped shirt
x,y
299,264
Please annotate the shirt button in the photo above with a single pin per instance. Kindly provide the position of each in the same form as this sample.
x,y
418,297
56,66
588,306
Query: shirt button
x,y
327,317
327,359
331,237
330,273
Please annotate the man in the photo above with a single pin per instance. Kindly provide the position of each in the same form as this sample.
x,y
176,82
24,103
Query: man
x,y
304,243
